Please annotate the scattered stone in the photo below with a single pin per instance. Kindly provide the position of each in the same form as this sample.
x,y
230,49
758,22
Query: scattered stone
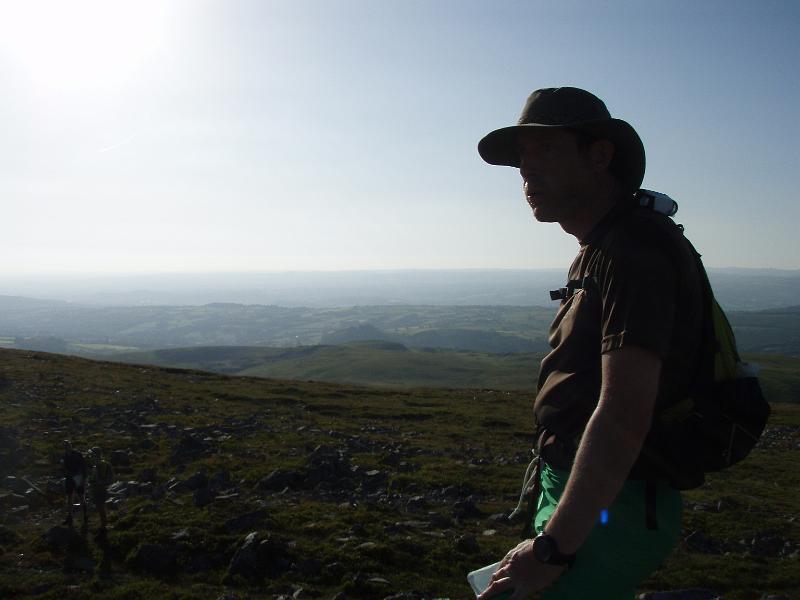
x,y
334,571
12,500
439,521
220,480
374,480
328,465
195,482
120,458
392,459
727,503
358,530
8,537
34,498
768,545
416,503
202,562
258,557
366,546
156,559
688,594
281,479
467,544
147,475
189,448
245,522
15,484
224,497
203,497
310,567
698,542
59,539
83,563
466,508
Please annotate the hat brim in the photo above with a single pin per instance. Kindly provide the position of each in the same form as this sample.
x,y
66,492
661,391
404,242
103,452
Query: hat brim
x,y
500,147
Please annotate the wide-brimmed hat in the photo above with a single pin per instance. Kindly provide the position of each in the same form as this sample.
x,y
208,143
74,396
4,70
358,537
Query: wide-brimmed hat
x,y
575,109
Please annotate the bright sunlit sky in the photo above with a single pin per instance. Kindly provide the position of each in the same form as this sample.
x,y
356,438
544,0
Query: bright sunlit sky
x,y
158,136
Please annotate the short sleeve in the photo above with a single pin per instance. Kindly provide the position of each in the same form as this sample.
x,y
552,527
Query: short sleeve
x,y
638,285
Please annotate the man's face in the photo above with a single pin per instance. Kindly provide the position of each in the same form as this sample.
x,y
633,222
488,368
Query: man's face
x,y
556,174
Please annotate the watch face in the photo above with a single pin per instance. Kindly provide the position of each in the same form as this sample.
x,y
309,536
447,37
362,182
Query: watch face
x,y
543,548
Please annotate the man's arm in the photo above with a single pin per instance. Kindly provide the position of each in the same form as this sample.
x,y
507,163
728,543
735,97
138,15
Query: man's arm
x,y
608,449
610,445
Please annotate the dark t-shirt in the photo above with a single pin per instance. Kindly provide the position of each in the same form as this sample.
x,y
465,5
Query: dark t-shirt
x,y
639,286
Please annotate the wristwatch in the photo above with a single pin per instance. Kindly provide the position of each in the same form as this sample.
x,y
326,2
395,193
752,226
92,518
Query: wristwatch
x,y
546,551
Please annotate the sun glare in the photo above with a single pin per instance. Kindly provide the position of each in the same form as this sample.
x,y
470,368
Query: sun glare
x,y
81,45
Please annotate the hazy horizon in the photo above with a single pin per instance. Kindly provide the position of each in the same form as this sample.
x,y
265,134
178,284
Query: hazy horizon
x,y
262,136
737,289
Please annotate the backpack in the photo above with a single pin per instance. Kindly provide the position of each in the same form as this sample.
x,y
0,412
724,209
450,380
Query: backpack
x,y
722,419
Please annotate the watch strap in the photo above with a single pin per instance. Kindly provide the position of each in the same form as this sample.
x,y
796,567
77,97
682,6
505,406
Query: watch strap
x,y
556,557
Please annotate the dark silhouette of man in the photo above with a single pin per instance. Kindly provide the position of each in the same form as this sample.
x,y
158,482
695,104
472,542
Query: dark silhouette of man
x,y
624,340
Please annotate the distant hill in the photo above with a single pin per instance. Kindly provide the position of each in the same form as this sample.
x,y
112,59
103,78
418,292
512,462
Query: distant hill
x,y
737,289
381,363
90,330
452,339
104,329
389,364
755,289
774,331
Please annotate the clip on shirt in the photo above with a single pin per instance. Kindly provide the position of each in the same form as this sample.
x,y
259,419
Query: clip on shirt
x,y
573,284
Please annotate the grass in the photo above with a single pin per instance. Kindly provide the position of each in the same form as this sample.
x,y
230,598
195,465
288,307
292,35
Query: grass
x,y
472,439
392,365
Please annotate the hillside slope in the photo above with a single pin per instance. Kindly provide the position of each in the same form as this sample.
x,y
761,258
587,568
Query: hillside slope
x,y
385,364
258,488
389,364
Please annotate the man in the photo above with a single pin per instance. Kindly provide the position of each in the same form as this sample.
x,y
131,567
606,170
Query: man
x,y
75,471
625,340
102,477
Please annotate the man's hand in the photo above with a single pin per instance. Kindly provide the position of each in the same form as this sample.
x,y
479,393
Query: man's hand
x,y
521,572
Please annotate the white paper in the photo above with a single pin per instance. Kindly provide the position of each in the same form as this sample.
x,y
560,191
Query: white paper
x,y
479,580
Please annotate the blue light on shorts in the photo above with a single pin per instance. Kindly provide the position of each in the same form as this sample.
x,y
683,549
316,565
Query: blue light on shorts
x,y
604,517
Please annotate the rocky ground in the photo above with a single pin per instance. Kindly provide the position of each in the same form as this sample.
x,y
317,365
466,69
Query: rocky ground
x,y
234,489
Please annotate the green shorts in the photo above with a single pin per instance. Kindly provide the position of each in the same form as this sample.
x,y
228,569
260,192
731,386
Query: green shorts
x,y
621,551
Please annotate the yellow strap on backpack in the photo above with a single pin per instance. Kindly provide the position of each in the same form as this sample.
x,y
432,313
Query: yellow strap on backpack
x,y
726,358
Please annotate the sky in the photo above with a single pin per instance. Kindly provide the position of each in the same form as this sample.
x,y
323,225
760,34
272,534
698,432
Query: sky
x,y
206,136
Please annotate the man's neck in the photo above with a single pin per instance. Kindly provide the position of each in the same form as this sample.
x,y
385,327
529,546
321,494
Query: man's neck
x,y
596,207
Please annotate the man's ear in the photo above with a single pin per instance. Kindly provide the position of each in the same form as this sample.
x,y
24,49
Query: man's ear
x,y
602,153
